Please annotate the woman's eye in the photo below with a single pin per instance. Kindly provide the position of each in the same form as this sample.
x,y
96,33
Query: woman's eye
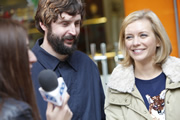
x,y
143,35
128,37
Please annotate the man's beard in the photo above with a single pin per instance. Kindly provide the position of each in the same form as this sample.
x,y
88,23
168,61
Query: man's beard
x,y
58,43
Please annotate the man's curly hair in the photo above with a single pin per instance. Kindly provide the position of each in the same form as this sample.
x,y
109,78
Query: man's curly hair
x,y
49,10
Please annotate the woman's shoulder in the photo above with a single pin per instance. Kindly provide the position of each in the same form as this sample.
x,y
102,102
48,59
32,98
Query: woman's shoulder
x,y
171,68
13,109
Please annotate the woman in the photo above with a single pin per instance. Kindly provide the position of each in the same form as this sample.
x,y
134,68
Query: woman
x,y
146,84
17,99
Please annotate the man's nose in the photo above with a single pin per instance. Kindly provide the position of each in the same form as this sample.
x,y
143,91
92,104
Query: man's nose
x,y
72,30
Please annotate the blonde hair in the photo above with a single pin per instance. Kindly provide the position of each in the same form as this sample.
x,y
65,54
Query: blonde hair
x,y
165,48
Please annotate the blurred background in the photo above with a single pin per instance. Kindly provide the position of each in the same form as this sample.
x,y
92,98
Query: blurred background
x,y
100,30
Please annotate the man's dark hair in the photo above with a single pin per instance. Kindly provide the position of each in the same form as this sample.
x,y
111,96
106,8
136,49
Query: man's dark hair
x,y
49,10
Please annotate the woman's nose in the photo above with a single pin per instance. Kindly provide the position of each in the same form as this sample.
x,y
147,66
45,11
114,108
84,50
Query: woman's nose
x,y
136,41
32,57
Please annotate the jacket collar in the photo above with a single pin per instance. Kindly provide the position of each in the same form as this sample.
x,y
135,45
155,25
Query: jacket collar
x,y
122,78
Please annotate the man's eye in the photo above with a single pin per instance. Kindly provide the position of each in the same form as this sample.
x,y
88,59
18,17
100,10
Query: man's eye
x,y
65,23
77,23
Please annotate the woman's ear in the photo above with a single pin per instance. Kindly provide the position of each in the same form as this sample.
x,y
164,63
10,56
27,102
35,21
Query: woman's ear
x,y
42,26
158,43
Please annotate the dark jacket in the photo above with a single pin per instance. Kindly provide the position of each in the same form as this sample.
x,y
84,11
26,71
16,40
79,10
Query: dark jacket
x,y
13,109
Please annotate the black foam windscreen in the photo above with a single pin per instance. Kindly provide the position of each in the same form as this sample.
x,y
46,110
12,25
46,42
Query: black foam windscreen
x,y
48,80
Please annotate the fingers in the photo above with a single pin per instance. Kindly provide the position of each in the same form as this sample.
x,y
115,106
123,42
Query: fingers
x,y
49,107
70,114
59,112
49,110
66,98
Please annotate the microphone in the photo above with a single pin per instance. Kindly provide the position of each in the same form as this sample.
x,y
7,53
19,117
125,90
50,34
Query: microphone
x,y
52,89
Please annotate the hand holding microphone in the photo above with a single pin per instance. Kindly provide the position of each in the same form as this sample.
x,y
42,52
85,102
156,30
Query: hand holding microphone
x,y
59,112
52,89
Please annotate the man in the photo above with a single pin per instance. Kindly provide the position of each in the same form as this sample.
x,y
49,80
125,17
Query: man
x,y
60,21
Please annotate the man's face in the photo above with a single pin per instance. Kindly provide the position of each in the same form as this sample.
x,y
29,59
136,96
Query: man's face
x,y
63,34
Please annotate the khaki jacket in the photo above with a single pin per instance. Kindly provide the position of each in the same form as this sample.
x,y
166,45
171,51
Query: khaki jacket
x,y
124,102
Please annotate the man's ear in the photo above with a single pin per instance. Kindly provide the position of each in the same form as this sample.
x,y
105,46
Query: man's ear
x,y
42,26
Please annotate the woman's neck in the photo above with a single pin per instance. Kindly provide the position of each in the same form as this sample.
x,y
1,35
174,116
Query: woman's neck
x,y
147,71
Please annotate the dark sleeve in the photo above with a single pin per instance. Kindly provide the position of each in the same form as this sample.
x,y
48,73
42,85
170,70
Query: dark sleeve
x,y
15,110
100,92
25,115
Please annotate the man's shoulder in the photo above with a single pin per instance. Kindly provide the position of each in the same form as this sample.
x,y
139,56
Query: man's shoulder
x,y
81,55
82,59
36,46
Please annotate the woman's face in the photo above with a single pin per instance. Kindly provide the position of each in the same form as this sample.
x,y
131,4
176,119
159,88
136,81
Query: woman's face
x,y
32,57
140,41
